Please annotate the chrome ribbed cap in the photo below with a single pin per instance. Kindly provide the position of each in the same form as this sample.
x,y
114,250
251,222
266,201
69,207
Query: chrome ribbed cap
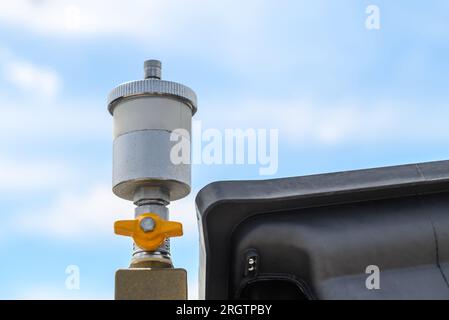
x,y
152,86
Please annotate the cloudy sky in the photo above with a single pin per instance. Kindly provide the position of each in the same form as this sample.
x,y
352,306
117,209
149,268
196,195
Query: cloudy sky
x,y
342,96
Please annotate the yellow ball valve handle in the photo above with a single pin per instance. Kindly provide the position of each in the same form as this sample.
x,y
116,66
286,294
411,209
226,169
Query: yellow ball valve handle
x,y
148,230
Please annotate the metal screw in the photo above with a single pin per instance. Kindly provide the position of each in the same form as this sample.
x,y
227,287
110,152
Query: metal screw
x,y
147,224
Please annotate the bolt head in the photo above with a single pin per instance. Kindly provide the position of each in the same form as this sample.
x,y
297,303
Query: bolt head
x,y
147,224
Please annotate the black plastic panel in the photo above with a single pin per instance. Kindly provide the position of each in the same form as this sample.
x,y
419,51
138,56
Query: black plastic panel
x,y
317,234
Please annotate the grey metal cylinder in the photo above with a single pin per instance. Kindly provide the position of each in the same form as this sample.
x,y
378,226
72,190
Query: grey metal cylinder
x,y
152,69
146,114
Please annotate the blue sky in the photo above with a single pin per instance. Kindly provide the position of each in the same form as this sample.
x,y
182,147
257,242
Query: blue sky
x,y
342,96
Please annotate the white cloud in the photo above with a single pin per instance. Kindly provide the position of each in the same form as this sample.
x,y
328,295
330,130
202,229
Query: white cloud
x,y
136,17
31,118
308,122
79,216
40,81
29,121
90,215
80,17
235,32
32,78
27,174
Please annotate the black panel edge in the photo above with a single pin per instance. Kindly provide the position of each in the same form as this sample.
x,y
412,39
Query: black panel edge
x,y
410,176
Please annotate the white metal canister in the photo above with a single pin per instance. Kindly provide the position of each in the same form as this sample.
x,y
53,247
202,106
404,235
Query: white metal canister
x,y
146,112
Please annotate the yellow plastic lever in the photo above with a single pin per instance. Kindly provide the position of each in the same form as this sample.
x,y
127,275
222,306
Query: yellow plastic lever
x,y
148,240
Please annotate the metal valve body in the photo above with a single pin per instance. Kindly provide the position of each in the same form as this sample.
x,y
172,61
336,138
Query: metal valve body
x,y
145,114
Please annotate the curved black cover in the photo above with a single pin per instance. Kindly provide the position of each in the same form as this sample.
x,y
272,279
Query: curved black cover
x,y
317,235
